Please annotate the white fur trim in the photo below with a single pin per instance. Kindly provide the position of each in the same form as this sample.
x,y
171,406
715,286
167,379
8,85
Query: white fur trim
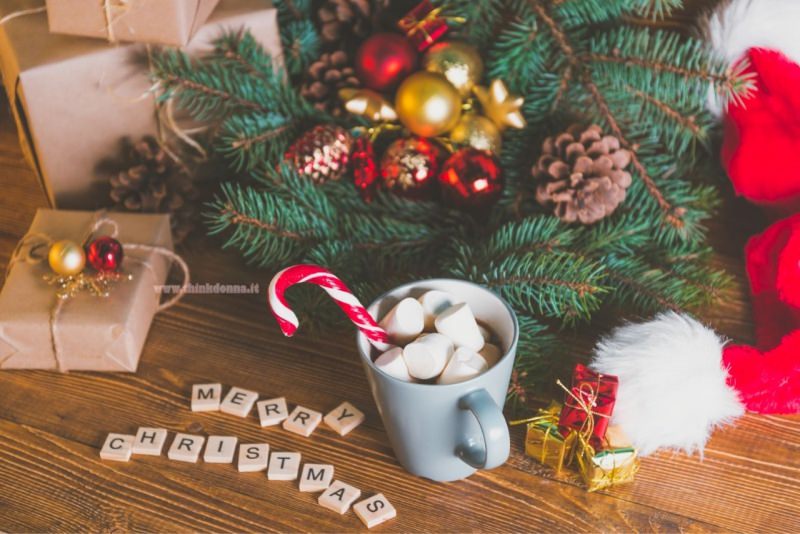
x,y
672,386
740,25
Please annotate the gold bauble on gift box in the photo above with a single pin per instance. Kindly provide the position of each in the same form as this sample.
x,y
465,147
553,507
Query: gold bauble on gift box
x,y
478,132
66,258
427,104
457,61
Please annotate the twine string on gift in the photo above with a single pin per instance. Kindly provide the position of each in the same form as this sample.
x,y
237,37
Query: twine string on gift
x,y
33,247
113,11
22,13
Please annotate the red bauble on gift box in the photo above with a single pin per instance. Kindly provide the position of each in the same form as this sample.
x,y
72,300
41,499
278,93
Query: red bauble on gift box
x,y
104,254
384,59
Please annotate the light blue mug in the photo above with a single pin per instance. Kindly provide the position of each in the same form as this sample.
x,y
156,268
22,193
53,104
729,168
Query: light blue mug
x,y
447,432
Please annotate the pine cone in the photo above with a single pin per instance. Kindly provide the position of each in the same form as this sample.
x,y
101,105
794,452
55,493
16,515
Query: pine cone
x,y
322,153
583,180
152,182
341,19
331,72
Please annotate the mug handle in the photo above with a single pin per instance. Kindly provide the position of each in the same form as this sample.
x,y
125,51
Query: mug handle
x,y
496,445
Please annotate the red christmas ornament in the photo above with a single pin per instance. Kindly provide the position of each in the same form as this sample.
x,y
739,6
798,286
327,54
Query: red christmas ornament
x,y
471,179
104,254
365,170
384,60
409,167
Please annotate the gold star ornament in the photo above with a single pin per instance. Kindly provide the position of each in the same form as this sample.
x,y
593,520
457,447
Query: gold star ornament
x,y
368,104
500,106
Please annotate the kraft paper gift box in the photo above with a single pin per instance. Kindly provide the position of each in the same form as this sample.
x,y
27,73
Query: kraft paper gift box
x,y
169,22
74,98
92,333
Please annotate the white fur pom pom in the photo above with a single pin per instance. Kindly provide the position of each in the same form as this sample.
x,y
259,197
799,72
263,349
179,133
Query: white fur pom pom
x,y
672,390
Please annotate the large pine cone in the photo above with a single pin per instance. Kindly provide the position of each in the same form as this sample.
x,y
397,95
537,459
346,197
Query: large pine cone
x,y
331,72
150,181
342,19
322,153
581,174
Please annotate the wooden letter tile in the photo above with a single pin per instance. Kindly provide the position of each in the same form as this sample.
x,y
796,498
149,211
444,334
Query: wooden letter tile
x,y
283,466
206,397
220,449
375,510
118,447
338,497
302,421
186,448
253,457
272,411
316,477
238,401
344,418
149,441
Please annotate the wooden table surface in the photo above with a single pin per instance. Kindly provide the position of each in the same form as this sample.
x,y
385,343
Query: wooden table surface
x,y
52,427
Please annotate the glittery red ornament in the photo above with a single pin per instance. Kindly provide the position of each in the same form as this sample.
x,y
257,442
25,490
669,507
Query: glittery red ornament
x,y
365,169
384,60
471,179
409,167
104,254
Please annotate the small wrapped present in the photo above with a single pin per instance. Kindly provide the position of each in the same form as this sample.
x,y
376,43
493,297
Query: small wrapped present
x,y
616,463
544,441
423,25
74,99
168,22
589,404
42,328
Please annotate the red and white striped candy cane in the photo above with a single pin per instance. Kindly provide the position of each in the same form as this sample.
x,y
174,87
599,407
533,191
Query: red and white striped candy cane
x,y
314,274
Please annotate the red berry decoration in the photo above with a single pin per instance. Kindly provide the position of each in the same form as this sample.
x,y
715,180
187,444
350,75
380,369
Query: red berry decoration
x,y
384,59
365,169
409,167
104,254
471,179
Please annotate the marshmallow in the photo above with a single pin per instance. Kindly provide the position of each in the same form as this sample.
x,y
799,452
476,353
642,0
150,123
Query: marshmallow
x,y
463,365
485,332
433,303
404,322
392,363
491,353
427,356
459,324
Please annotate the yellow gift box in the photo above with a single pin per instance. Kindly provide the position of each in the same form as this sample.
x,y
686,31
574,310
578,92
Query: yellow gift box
x,y
543,440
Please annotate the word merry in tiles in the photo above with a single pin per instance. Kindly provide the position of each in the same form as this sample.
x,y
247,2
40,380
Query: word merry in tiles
x,y
254,457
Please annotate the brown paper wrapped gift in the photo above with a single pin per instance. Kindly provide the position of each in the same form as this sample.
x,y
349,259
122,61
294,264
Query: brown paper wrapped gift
x,y
169,22
93,333
74,99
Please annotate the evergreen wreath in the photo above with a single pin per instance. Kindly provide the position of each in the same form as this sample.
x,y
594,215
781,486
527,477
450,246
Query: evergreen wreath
x,y
584,61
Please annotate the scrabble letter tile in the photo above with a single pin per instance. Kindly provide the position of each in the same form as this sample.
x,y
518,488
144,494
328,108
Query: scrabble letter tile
x,y
272,411
220,449
238,401
186,448
149,441
344,418
339,496
206,397
118,447
302,421
253,457
375,510
283,466
316,477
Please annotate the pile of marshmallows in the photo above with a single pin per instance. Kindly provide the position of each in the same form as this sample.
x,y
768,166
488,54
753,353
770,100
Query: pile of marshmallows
x,y
439,340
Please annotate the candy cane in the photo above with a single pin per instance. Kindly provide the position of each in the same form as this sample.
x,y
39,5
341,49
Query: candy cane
x,y
314,274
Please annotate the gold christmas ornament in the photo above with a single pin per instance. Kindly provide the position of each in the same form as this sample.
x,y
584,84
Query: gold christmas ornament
x,y
66,258
368,104
427,104
459,62
500,106
478,132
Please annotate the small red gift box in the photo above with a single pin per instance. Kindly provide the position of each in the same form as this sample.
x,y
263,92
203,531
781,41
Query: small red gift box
x,y
423,25
592,395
